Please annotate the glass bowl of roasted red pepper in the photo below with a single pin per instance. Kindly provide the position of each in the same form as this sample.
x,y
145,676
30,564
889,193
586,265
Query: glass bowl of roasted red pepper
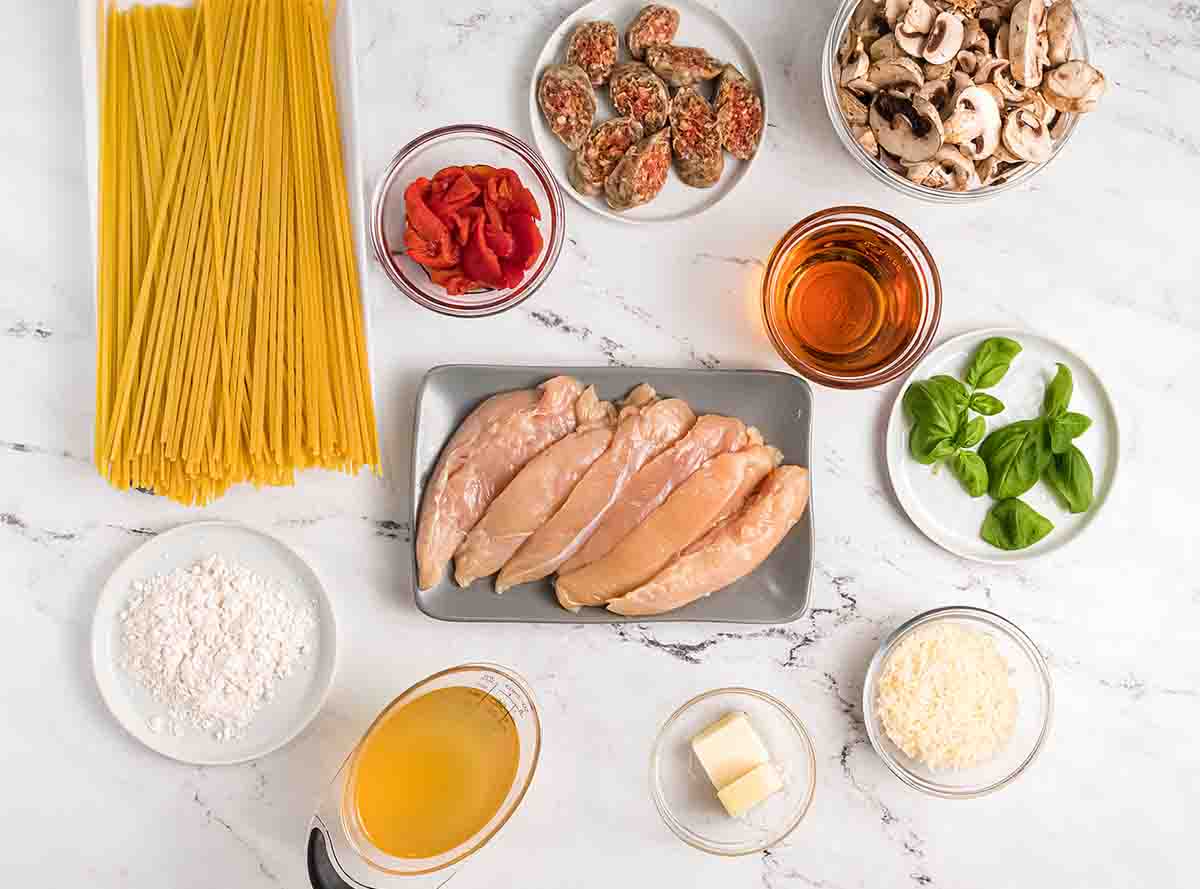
x,y
467,221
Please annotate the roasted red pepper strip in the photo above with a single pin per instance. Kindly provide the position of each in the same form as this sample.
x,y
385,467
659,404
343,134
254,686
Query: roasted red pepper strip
x,y
479,260
441,254
454,280
480,173
419,216
499,240
527,238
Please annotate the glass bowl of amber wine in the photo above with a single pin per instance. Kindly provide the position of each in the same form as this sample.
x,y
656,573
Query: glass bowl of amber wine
x,y
851,298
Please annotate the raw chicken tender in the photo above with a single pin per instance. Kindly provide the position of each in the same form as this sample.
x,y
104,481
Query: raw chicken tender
x,y
712,435
484,454
537,492
727,553
717,490
642,434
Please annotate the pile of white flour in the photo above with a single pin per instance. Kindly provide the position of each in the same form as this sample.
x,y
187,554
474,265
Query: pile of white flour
x,y
210,642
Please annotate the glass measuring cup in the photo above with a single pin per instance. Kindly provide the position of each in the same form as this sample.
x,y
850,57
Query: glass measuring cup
x,y
340,856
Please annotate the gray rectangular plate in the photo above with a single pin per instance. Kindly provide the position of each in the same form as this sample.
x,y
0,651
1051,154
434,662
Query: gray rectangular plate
x,y
779,404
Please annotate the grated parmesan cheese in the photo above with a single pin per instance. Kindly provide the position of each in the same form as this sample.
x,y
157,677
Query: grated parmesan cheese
x,y
944,697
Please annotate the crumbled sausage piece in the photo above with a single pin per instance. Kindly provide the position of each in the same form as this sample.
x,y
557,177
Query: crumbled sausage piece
x,y
638,92
641,173
739,114
682,65
653,26
695,142
593,47
601,151
568,102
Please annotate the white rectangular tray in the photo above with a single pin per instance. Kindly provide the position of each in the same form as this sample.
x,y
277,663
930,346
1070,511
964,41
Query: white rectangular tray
x,y
91,36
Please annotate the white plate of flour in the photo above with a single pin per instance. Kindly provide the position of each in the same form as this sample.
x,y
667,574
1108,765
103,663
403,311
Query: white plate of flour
x,y
214,644
936,502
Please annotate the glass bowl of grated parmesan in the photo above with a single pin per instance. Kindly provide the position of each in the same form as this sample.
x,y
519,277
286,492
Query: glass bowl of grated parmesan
x,y
958,702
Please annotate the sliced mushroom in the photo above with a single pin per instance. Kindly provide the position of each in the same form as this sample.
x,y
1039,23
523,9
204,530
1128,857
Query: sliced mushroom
x,y
990,19
894,10
926,173
987,169
853,109
1028,137
1074,87
1035,103
938,72
1014,93
855,67
865,138
1002,42
995,93
912,42
1005,156
968,62
975,38
937,94
908,128
862,87
945,40
975,123
958,168
850,43
896,72
885,48
868,19
1060,26
987,68
919,17
1023,50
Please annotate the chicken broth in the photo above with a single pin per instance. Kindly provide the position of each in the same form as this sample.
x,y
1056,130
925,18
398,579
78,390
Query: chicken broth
x,y
848,299
434,772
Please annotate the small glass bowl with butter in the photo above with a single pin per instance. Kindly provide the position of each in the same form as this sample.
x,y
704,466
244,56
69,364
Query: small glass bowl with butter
x,y
684,777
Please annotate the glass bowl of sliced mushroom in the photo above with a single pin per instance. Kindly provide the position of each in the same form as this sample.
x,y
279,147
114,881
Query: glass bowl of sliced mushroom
x,y
955,100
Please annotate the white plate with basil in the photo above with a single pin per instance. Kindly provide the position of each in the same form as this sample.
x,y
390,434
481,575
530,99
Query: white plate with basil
x,y
1002,445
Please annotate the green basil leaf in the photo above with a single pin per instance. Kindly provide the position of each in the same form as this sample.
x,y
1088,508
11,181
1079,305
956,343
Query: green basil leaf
x,y
991,362
1012,525
1016,456
971,434
928,445
1058,393
1070,476
985,404
1066,427
970,469
937,403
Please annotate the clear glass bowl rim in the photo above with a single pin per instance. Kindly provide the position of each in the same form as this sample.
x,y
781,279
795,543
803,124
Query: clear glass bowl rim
x,y
688,836
931,317
992,621
841,20
553,243
483,840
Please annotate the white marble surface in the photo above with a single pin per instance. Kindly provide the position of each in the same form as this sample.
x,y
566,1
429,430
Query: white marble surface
x,y
1100,251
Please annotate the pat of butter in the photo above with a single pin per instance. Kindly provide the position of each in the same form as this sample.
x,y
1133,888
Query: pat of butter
x,y
728,749
751,789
